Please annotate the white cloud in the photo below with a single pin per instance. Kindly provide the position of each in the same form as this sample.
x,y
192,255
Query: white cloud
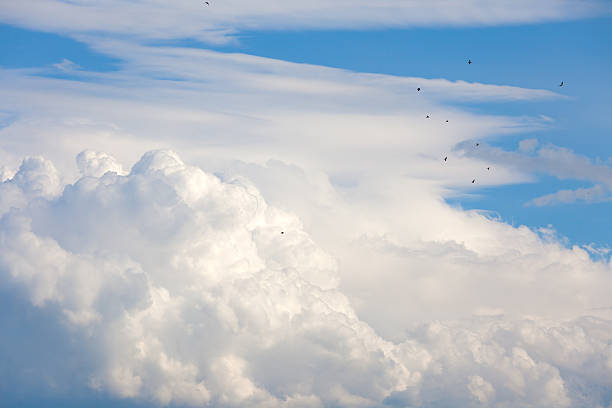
x,y
222,105
66,66
96,164
172,285
187,18
589,195
556,161
182,290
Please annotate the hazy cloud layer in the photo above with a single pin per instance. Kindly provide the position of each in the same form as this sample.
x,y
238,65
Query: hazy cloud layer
x,y
176,287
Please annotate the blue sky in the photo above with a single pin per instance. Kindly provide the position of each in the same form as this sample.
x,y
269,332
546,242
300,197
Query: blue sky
x,y
244,205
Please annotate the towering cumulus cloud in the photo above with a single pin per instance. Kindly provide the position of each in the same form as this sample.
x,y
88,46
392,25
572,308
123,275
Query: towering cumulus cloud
x,y
176,287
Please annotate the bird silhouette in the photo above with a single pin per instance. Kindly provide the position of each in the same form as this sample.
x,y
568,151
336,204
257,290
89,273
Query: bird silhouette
x,y
473,181
561,84
282,232
469,61
488,168
445,158
477,144
207,3
427,117
418,89
446,120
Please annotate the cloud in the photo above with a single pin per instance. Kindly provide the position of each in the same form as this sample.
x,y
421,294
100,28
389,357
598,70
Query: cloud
x,y
96,164
555,161
209,103
66,66
588,195
177,287
184,18
173,284
528,145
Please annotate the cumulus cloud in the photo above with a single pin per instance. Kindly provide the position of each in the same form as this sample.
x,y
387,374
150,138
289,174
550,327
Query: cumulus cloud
x,y
96,164
186,289
183,18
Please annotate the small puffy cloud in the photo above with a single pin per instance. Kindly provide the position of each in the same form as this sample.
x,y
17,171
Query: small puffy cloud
x,y
173,286
96,164
36,178
66,65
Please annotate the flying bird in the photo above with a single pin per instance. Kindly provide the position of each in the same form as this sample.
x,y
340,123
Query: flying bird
x,y
488,168
477,144
418,89
561,84
207,3
427,117
446,120
445,158
282,232
469,61
473,181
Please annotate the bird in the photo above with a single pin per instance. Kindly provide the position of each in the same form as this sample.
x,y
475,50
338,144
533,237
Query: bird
x,y
469,61
445,158
561,84
207,3
446,120
488,168
418,89
282,232
477,144
473,181
427,117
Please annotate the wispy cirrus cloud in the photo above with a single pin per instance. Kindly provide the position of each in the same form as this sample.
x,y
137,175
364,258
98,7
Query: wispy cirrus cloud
x,y
151,19
558,162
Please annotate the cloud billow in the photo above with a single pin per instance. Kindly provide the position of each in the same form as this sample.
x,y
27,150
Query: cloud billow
x,y
176,287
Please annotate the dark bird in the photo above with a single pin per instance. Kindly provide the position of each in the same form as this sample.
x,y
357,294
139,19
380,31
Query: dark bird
x,y
446,120
418,89
477,144
282,232
207,3
427,117
469,61
561,84
445,158
473,181
488,168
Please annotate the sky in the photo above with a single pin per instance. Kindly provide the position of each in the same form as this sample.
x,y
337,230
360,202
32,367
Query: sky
x,y
245,205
